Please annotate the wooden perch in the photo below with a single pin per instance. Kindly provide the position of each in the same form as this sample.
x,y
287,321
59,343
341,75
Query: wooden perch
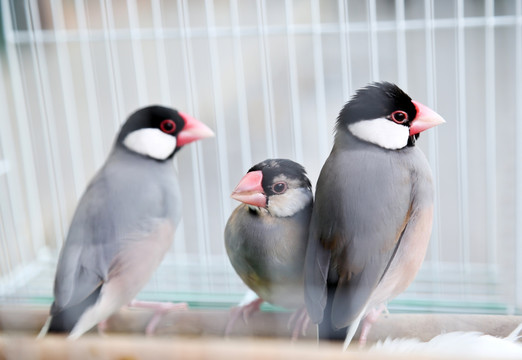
x,y
30,319
199,334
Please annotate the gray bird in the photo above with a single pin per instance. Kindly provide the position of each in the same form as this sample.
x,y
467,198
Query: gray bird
x,y
265,237
125,221
373,212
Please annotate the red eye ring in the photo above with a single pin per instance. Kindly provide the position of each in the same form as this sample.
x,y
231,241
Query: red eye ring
x,y
399,116
168,126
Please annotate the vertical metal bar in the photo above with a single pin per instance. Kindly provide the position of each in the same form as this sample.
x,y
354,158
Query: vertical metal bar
x,y
268,102
197,162
346,64
137,53
372,33
320,97
161,54
402,58
10,242
244,132
431,85
10,165
223,168
111,52
5,265
30,185
10,200
192,104
491,147
518,166
69,103
218,109
462,139
45,104
294,86
90,84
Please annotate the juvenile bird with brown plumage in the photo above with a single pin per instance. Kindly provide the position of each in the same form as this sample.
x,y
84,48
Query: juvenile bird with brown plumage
x,y
265,237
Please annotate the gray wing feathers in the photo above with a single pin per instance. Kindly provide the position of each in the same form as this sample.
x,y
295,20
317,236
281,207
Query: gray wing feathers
x,y
84,259
352,294
317,262
360,216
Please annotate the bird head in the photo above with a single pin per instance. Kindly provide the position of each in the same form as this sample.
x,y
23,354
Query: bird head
x,y
382,114
158,132
279,186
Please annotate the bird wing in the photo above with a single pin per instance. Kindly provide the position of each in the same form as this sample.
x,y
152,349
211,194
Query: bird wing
x,y
83,263
317,263
108,219
362,207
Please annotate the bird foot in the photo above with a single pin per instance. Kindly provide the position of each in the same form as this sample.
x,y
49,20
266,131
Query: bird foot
x,y
160,309
301,321
102,327
368,321
244,311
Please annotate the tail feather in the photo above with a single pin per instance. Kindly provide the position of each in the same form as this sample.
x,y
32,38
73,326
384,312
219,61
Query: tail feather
x,y
326,329
64,320
352,329
45,328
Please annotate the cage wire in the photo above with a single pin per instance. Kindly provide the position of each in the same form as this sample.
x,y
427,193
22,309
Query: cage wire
x,y
269,77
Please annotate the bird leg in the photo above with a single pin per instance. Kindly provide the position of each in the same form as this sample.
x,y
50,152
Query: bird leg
x,y
102,327
160,309
368,321
301,320
244,311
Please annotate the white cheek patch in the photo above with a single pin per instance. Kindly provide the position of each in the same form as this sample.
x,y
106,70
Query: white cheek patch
x,y
289,203
382,132
151,142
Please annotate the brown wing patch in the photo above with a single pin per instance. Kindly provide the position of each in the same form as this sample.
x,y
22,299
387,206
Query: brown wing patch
x,y
332,242
404,223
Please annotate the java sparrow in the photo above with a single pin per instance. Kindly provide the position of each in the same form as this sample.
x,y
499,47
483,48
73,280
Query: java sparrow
x,y
266,235
373,211
125,221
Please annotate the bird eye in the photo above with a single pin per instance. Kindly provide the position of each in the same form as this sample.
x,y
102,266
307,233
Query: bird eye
x,y
400,117
279,187
168,126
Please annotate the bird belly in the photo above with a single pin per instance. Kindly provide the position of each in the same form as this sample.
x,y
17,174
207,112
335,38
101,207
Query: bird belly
x,y
289,296
267,256
281,291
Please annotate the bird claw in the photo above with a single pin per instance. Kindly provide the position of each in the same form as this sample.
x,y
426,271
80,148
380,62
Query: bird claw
x,y
301,321
246,315
102,327
368,321
244,311
160,309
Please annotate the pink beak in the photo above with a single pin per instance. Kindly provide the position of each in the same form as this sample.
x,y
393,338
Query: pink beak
x,y
425,119
193,130
250,190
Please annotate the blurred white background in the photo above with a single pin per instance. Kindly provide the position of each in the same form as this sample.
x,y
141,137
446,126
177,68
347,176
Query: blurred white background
x,y
269,77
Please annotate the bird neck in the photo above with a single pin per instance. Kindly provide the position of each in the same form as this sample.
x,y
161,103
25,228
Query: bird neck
x,y
119,151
